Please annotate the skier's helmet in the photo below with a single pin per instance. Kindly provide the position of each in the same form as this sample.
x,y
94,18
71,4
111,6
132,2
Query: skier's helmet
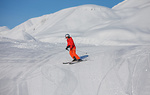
x,y
67,36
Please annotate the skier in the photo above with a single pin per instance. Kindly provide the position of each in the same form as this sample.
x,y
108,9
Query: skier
x,y
71,45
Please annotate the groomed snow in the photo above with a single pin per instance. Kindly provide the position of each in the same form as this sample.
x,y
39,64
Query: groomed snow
x,y
116,41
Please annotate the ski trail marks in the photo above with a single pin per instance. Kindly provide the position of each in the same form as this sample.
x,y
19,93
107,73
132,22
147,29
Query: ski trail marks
x,y
64,79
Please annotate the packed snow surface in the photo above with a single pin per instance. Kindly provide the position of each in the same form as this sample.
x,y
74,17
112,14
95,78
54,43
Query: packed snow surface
x,y
35,68
117,42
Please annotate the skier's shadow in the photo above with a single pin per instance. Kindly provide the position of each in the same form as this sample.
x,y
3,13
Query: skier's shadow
x,y
84,56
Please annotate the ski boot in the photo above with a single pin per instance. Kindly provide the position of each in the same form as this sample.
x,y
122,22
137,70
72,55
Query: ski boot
x,y
74,59
80,60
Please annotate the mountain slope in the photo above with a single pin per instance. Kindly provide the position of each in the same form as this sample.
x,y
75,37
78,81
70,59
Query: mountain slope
x,y
127,4
135,13
90,24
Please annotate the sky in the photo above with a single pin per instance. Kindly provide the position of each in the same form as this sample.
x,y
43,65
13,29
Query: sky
x,y
15,12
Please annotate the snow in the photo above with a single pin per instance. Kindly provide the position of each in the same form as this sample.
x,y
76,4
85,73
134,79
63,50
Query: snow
x,y
116,41
4,28
31,68
87,21
132,4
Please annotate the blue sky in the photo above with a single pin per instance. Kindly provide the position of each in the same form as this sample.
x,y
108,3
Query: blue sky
x,y
15,12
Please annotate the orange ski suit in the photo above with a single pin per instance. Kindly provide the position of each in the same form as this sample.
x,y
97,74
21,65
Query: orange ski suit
x,y
71,45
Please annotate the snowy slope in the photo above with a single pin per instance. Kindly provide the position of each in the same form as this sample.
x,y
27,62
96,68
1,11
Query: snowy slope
x,y
132,4
136,14
116,41
35,68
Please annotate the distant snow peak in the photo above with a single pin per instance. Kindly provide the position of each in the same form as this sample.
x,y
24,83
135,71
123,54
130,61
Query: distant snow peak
x,y
4,28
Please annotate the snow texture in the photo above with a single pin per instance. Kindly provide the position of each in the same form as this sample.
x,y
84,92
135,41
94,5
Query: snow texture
x,y
116,41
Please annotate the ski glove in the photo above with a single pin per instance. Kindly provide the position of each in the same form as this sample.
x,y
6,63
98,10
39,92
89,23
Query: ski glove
x,y
67,47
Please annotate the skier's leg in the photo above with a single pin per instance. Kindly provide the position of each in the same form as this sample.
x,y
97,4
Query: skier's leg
x,y
74,53
71,53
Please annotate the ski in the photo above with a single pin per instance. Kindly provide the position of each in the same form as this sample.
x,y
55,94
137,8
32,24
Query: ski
x,y
74,62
